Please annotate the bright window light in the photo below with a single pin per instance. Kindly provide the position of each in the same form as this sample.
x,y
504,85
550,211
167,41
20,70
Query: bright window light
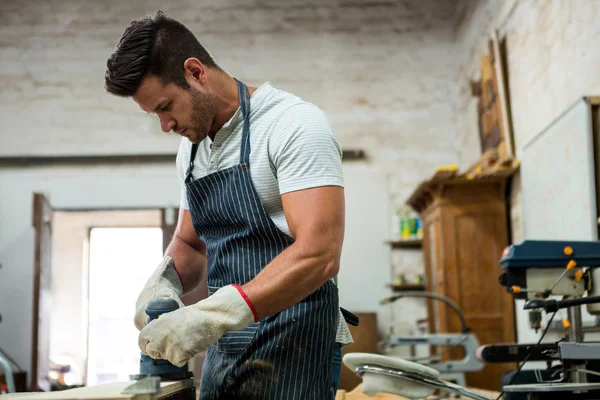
x,y
121,260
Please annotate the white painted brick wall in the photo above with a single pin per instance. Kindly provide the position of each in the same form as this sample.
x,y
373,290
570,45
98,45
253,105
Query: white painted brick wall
x,y
383,70
552,60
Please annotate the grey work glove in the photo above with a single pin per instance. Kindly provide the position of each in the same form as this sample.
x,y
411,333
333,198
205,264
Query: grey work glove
x,y
164,282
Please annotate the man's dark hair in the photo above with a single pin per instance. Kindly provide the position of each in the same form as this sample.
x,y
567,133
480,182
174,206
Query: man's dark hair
x,y
153,46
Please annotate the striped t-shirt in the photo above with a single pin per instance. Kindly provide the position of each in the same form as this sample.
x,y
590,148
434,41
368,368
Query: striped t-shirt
x,y
292,147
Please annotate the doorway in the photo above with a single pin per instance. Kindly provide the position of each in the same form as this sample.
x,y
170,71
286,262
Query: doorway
x,y
121,260
100,262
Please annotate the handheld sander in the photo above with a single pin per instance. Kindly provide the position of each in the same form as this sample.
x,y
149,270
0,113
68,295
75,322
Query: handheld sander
x,y
161,368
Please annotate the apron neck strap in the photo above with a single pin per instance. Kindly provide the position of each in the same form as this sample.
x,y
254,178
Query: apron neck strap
x,y
244,97
188,174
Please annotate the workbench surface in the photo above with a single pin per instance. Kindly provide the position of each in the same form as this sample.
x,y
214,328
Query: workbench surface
x,y
112,391
109,391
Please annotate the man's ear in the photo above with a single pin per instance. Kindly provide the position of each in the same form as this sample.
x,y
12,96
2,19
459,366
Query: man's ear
x,y
195,71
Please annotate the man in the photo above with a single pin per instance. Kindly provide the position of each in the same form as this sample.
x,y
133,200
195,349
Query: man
x,y
261,217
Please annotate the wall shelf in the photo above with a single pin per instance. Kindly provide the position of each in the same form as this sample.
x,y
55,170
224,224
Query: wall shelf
x,y
407,287
415,243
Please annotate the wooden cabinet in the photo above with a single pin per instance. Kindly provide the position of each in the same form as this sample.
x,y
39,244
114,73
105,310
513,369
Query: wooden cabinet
x,y
465,232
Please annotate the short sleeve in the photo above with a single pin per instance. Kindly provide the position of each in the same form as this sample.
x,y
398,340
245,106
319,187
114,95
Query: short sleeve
x,y
181,162
304,151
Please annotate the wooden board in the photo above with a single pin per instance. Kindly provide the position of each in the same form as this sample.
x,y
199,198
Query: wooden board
x,y
560,203
366,339
502,88
493,108
109,391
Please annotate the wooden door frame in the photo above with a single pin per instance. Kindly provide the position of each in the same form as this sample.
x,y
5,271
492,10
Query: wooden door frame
x,y
41,214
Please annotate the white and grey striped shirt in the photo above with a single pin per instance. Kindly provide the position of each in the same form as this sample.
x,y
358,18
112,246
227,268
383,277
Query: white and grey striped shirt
x,y
292,148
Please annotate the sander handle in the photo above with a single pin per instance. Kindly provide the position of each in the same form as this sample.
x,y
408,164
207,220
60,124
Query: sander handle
x,y
160,305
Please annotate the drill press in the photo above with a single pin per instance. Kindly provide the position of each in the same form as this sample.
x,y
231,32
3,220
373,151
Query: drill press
x,y
539,271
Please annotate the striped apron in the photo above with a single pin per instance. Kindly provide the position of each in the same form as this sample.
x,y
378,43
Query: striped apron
x,y
284,356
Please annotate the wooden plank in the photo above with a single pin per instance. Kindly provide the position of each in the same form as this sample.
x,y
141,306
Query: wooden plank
x,y
442,175
407,287
109,391
406,243
493,107
35,161
502,89
593,100
488,158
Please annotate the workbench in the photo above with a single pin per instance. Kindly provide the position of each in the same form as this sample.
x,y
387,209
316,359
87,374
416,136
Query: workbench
x,y
357,394
112,391
109,391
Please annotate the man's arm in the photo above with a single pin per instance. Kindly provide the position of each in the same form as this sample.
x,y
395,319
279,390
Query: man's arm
x,y
188,252
316,220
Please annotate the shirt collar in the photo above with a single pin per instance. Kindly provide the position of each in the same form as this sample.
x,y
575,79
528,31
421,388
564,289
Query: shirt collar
x,y
228,127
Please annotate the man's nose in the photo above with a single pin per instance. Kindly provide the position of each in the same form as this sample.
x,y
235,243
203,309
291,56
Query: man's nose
x,y
166,124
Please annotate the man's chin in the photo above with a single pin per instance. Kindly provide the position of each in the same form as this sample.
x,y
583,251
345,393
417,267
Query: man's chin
x,y
196,139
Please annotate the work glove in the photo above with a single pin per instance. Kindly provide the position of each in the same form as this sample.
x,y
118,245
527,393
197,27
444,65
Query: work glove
x,y
164,282
179,335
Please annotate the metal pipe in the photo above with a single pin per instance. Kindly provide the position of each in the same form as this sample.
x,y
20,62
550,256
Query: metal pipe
x,y
8,372
552,305
577,325
465,328
576,335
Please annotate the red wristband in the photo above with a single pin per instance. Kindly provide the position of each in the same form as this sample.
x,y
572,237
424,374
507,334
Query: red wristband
x,y
247,300
179,276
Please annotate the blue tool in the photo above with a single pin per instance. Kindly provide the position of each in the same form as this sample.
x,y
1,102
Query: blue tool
x,y
162,368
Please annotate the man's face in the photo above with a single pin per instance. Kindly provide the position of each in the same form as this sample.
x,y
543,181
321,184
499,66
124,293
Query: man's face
x,y
187,112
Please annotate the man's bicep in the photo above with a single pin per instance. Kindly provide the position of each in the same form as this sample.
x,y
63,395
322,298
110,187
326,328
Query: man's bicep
x,y
316,216
185,230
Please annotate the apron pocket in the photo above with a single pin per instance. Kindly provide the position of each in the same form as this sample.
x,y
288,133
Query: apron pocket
x,y
236,342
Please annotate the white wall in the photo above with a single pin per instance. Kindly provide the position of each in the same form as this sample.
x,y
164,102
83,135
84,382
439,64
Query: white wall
x,y
383,71
552,60
364,269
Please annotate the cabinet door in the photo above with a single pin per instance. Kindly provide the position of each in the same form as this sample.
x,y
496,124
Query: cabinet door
x,y
473,249
433,272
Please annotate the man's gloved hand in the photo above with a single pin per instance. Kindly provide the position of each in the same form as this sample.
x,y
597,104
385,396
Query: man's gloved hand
x,y
179,335
164,282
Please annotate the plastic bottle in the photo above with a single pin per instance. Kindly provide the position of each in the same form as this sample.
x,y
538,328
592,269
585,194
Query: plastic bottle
x,y
396,233
405,224
419,227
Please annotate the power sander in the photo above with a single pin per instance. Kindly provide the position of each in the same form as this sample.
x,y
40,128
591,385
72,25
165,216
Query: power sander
x,y
161,368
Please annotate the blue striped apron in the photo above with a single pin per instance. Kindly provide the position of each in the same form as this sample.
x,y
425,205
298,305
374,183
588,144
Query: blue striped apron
x,y
284,356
